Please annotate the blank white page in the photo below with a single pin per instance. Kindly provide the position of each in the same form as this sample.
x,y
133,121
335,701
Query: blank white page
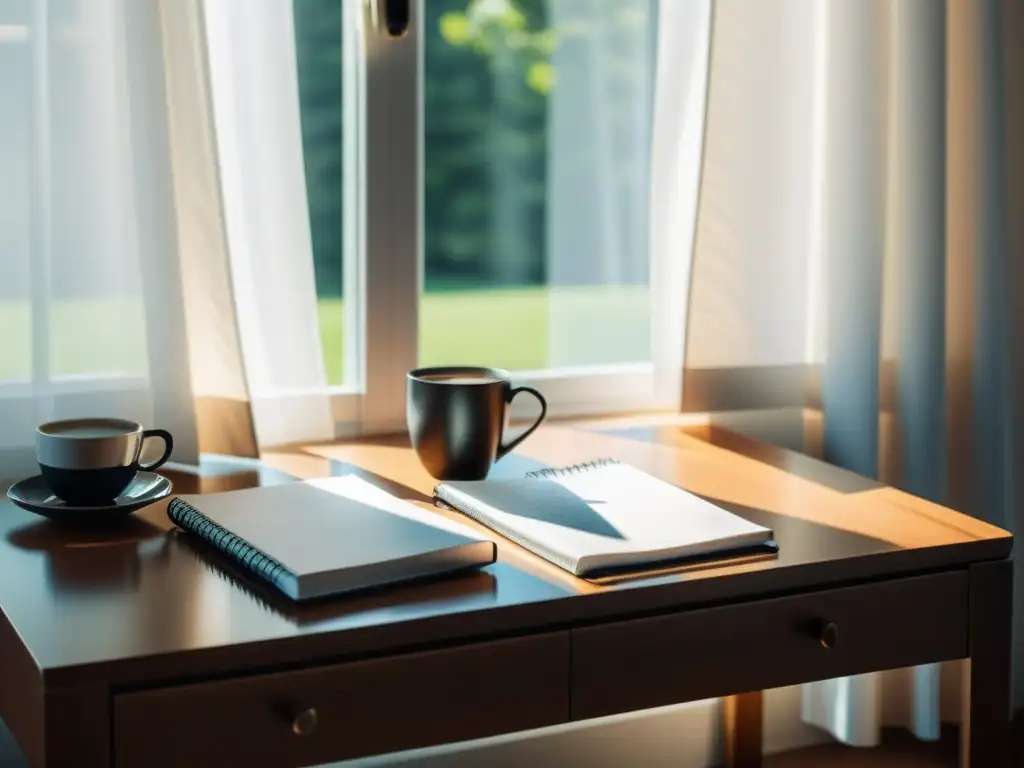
x,y
603,516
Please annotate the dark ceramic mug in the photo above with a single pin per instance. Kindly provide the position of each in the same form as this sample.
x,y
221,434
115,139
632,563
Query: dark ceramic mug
x,y
457,417
87,462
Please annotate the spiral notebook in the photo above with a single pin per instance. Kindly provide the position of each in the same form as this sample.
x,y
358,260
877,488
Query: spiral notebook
x,y
323,537
604,516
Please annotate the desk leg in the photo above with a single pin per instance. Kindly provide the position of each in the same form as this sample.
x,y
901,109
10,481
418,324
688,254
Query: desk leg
x,y
984,739
78,727
742,724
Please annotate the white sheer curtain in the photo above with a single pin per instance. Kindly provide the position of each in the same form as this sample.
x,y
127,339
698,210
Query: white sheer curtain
x,y
255,106
677,149
243,220
91,302
155,258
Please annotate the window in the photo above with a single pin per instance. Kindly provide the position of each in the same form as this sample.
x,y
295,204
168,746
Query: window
x,y
480,188
537,126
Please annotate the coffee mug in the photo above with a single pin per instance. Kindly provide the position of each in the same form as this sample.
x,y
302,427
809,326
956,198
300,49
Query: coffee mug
x,y
457,416
91,461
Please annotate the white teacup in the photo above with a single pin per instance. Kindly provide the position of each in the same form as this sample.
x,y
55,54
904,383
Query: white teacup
x,y
88,462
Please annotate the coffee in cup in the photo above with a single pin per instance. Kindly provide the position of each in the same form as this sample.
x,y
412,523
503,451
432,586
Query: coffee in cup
x,y
88,462
457,417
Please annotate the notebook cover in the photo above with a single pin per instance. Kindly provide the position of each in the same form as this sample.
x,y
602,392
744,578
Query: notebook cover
x,y
329,535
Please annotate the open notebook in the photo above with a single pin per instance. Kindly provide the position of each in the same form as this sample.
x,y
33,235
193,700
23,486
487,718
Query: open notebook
x,y
322,537
603,516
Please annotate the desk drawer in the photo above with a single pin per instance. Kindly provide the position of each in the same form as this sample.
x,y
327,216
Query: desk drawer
x,y
700,654
362,707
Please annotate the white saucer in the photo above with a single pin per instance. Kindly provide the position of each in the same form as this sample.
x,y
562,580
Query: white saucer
x,y
34,495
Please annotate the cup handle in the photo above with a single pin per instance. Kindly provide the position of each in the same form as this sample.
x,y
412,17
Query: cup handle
x,y
164,435
503,449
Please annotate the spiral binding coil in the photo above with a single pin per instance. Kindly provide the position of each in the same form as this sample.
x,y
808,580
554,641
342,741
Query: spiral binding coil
x,y
575,469
191,519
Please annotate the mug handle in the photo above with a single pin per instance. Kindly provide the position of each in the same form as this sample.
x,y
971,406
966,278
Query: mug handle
x,y
503,449
164,435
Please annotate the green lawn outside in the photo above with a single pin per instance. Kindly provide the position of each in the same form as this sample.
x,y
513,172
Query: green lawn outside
x,y
518,329
80,338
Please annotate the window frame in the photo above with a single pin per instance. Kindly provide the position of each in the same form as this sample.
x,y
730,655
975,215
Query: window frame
x,y
389,153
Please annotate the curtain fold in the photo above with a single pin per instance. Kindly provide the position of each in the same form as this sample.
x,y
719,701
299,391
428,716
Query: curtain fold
x,y
859,211
253,103
218,379
677,151
258,372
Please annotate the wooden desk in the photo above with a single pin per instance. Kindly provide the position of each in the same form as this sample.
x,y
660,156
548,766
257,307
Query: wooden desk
x,y
136,647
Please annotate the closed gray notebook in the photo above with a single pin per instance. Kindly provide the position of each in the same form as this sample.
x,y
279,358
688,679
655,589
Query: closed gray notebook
x,y
323,537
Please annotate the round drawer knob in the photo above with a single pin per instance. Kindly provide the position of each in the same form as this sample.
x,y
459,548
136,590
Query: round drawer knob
x,y
304,722
829,636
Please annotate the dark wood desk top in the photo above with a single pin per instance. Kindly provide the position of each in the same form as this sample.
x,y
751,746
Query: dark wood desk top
x,y
141,603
